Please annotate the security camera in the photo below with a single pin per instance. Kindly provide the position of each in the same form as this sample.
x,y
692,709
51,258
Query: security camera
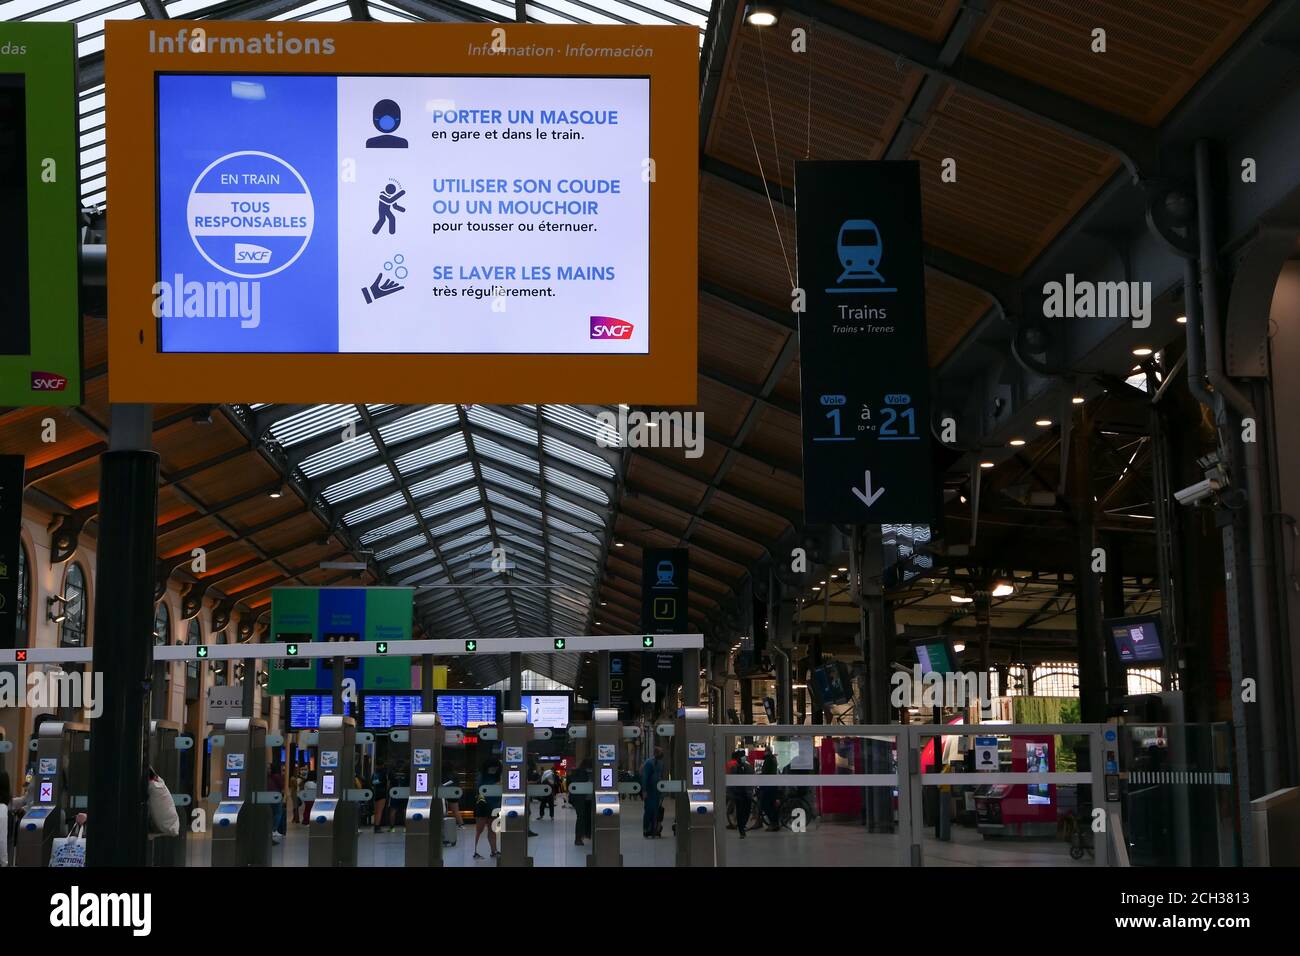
x,y
1194,494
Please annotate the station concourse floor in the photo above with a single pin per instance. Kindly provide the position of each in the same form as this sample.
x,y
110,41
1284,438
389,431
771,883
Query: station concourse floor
x,y
823,844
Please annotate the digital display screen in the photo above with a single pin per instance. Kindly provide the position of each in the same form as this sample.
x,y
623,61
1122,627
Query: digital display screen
x,y
464,191
235,761
696,751
1037,761
697,776
15,291
1137,641
934,658
422,756
386,711
466,710
422,781
512,780
232,787
329,758
48,766
546,710
305,709
606,777
327,784
47,792
605,751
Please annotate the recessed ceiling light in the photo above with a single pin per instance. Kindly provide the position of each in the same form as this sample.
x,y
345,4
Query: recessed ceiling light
x,y
986,464
959,647
1181,320
1016,442
618,544
1078,400
1003,589
1142,351
960,599
1043,422
760,15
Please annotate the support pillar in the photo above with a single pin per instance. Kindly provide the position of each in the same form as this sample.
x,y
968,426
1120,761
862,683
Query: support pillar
x,y
426,684
516,681
123,649
1092,661
691,678
602,678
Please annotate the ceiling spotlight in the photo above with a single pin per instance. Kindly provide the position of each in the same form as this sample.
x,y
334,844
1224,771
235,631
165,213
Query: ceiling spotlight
x,y
1078,400
1016,442
276,492
961,498
618,544
986,464
816,587
841,569
960,599
1003,589
761,14
1181,320
1142,351
958,647
1043,422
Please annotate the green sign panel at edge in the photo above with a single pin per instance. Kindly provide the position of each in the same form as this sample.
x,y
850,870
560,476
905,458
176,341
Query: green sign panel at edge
x,y
40,315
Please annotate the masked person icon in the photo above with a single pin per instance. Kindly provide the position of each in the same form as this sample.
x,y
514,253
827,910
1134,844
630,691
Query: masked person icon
x,y
386,116
387,203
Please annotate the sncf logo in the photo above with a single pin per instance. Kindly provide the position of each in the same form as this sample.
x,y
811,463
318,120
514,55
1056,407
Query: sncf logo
x,y
248,253
48,382
604,327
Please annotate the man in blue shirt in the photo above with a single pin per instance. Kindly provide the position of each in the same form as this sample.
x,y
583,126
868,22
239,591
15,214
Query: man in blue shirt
x,y
652,771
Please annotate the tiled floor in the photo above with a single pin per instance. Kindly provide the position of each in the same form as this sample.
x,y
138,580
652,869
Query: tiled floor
x,y
824,844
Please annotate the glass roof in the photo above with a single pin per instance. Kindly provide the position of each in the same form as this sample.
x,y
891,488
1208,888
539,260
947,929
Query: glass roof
x,y
89,15
428,493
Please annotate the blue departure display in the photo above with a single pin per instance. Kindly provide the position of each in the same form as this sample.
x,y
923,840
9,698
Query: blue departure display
x,y
385,711
305,710
467,710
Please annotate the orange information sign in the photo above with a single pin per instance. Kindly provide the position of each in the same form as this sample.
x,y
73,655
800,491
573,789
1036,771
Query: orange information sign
x,y
363,212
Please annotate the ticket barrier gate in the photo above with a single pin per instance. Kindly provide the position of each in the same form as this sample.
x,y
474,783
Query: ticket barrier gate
x,y
166,745
426,807
513,822
61,781
332,830
241,825
606,734
692,739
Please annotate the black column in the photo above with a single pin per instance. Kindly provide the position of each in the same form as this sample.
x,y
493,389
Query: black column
x,y
123,654
1092,662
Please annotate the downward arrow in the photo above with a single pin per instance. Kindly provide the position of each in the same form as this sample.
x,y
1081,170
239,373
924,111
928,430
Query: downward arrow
x,y
865,493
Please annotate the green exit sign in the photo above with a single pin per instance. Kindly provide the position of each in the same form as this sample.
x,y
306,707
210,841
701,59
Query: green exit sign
x,y
381,647
471,646
559,643
291,650
647,641
202,650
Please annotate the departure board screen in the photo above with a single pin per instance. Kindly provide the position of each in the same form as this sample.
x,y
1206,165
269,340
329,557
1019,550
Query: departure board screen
x,y
386,711
468,710
306,710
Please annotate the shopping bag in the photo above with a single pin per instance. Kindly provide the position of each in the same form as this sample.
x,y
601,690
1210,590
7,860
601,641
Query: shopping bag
x,y
163,820
69,851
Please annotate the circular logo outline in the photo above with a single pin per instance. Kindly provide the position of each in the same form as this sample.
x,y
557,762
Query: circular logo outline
x,y
305,188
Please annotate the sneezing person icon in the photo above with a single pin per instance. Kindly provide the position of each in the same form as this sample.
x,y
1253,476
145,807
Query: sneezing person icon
x,y
387,203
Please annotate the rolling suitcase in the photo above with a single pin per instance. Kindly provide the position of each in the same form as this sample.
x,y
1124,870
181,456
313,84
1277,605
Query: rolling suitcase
x,y
450,832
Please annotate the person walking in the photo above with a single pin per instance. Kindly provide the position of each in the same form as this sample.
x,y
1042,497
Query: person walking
x,y
581,802
488,776
551,779
741,797
767,796
652,771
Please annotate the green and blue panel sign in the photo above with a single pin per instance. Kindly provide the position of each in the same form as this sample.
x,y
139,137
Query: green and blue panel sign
x,y
305,615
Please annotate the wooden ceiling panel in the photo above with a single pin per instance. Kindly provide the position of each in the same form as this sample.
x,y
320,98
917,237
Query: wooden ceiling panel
x,y
286,534
197,535
231,478
739,513
94,341
928,18
758,482
262,508
1155,50
1018,182
736,344
788,388
726,544
187,443
776,437
76,487
702,468
653,512
724,408
770,112
952,309
667,486
739,248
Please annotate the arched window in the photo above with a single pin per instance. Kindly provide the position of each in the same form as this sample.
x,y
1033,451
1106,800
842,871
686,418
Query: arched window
x,y
23,624
193,637
72,631
162,626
